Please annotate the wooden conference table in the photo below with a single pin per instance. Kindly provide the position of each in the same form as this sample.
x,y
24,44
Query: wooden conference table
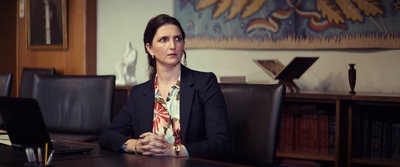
x,y
98,157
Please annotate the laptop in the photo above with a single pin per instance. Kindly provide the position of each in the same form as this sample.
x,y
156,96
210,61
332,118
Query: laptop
x,y
25,126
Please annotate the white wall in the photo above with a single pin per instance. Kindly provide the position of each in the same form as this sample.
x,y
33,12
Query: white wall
x,y
120,21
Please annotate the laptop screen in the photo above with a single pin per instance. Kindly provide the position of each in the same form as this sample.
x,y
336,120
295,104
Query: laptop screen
x,y
24,122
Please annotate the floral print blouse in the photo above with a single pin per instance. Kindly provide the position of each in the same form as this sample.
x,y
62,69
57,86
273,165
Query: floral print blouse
x,y
166,119
166,113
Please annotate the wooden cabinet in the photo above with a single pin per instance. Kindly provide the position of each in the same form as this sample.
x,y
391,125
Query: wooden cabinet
x,y
374,130
325,129
121,94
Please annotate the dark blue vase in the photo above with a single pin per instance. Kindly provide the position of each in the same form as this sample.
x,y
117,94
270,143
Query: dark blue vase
x,y
352,78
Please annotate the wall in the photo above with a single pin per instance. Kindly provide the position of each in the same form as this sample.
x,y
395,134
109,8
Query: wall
x,y
79,58
125,20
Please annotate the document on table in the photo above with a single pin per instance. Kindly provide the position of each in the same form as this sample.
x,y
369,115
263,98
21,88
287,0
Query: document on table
x,y
4,139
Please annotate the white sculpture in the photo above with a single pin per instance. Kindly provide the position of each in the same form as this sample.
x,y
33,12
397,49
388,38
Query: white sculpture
x,y
127,67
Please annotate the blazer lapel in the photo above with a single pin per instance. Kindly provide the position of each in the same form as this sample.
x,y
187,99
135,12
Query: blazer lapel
x,y
146,108
186,93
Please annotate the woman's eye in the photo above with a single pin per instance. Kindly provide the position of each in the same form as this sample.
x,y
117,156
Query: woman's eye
x,y
163,40
178,39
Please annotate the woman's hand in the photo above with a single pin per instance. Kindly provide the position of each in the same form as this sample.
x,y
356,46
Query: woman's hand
x,y
153,144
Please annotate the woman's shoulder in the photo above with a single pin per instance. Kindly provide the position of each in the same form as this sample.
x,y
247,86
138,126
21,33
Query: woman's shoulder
x,y
143,86
201,74
201,77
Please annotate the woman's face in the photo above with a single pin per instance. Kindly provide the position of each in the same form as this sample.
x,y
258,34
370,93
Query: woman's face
x,y
167,46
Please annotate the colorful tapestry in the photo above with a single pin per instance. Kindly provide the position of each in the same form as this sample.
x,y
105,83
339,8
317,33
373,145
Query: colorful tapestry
x,y
290,24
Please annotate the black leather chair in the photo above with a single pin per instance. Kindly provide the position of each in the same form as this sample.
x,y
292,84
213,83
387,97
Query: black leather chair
x,y
254,113
5,88
5,84
26,83
76,108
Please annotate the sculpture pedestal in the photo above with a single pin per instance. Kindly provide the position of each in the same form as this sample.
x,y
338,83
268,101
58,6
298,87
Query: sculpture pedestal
x,y
290,85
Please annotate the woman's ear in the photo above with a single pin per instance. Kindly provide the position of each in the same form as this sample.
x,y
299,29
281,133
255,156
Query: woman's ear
x,y
148,48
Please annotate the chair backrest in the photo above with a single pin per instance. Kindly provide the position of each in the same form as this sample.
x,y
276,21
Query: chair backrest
x,y
5,88
75,104
254,112
5,84
26,83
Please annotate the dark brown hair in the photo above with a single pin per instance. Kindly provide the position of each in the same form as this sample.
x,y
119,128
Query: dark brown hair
x,y
150,32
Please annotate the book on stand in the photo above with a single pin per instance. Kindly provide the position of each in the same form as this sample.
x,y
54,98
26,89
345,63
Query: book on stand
x,y
294,70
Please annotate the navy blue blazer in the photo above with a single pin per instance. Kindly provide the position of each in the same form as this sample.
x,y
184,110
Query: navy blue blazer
x,y
203,116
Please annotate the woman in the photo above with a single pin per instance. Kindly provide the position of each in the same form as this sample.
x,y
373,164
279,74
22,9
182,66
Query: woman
x,y
178,112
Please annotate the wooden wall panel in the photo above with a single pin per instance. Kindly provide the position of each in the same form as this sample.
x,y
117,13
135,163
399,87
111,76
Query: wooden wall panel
x,y
91,37
8,16
79,58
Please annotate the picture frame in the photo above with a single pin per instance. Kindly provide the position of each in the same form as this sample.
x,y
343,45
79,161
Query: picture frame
x,y
46,24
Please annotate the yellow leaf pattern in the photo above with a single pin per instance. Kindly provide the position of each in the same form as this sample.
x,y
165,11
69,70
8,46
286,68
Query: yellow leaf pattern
x,y
237,6
204,4
221,7
330,11
350,10
252,7
247,7
336,11
370,7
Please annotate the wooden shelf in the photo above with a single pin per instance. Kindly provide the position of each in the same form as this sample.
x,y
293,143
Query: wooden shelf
x,y
320,95
375,161
360,96
306,156
124,87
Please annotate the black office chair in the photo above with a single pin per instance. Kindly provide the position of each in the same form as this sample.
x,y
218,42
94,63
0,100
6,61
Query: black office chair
x,y
5,88
26,83
5,84
254,113
76,108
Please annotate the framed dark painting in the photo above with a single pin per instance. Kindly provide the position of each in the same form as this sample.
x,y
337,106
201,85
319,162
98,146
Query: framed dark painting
x,y
46,22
